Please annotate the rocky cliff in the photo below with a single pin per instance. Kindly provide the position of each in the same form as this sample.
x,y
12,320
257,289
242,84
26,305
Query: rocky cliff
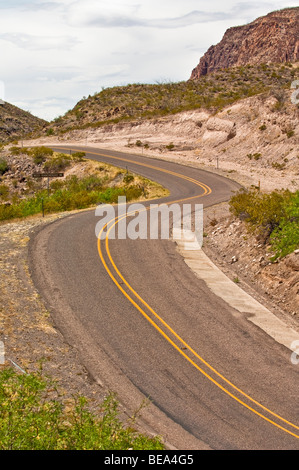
x,y
273,38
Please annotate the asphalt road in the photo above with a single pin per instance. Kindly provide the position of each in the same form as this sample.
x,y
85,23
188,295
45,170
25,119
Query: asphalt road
x,y
145,326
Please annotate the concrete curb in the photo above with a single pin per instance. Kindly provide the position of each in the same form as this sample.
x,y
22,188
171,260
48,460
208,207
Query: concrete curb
x,y
231,293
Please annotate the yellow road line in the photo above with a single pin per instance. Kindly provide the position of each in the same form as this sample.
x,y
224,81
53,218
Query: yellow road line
x,y
207,190
188,358
176,335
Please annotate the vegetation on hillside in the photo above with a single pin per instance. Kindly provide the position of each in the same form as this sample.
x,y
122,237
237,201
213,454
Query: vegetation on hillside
x,y
33,416
143,101
98,183
273,217
16,123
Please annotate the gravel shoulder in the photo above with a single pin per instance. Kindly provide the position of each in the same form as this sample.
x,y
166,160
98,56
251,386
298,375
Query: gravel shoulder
x,y
30,338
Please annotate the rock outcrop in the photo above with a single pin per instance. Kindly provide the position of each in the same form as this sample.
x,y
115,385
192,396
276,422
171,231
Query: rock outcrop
x,y
273,38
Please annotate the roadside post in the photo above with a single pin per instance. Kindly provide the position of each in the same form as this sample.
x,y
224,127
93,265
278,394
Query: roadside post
x,y
47,175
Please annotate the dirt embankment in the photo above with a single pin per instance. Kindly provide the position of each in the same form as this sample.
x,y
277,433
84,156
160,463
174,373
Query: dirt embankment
x,y
254,141
247,262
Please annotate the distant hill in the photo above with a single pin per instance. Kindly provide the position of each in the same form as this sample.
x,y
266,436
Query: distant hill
x,y
16,123
273,38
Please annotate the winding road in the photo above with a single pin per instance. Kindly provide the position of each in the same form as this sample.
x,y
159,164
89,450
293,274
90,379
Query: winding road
x,y
146,326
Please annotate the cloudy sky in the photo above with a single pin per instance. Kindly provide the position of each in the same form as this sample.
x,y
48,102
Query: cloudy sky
x,y
55,52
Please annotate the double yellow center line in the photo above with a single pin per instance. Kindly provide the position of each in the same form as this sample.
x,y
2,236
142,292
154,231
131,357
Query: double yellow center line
x,y
182,345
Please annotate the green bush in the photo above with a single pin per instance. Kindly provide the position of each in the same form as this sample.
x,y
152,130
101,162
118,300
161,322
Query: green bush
x,y
290,133
3,166
33,417
78,156
10,211
58,163
20,150
274,216
170,146
128,178
71,194
285,238
4,191
15,150
40,154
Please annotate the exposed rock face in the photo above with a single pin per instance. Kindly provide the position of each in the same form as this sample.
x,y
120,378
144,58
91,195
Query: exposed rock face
x,y
218,131
272,38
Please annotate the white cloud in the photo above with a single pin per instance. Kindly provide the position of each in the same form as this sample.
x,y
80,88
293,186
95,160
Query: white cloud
x,y
118,15
28,41
55,52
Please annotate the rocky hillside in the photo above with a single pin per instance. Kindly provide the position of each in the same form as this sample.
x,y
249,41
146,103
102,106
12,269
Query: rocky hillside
x,y
16,123
255,138
273,38
141,102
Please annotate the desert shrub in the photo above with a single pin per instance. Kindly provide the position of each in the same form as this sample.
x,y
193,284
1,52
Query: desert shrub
x,y
256,156
170,146
128,178
9,211
15,150
4,191
34,417
274,216
40,154
3,166
71,194
285,238
56,184
261,210
78,156
91,183
290,133
278,166
58,163
133,192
